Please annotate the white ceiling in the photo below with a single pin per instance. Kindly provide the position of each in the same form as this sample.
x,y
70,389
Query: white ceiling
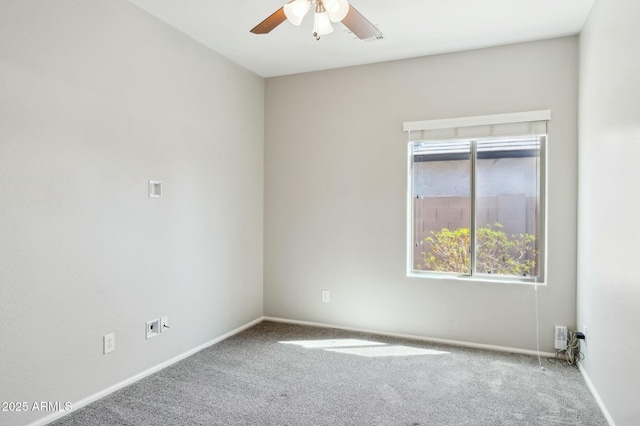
x,y
411,28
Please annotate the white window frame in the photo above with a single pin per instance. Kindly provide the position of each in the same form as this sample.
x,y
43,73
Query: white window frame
x,y
488,121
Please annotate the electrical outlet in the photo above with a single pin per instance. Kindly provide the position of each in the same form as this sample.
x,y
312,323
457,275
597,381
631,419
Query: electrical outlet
x,y
326,296
153,328
109,343
584,331
164,324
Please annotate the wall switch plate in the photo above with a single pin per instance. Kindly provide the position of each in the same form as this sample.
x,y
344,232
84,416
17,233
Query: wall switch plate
x,y
326,296
108,343
164,324
153,328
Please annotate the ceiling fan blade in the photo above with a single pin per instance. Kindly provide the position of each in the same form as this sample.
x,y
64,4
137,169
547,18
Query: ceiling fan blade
x,y
276,18
360,26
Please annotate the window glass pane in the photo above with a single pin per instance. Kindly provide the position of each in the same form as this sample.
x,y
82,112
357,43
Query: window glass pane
x,y
441,201
508,206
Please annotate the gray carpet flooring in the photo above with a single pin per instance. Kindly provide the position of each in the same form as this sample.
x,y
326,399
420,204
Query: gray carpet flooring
x,y
330,379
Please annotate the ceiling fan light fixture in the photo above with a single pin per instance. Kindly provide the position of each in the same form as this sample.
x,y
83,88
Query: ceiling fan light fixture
x,y
326,11
322,24
337,9
296,10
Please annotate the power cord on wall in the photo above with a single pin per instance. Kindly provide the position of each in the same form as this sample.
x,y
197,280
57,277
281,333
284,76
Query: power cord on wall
x,y
572,354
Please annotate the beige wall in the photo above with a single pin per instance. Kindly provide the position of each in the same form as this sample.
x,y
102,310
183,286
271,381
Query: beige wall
x,y
335,193
608,289
97,98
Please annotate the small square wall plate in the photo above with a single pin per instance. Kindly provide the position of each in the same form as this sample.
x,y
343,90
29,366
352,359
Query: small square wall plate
x,y
155,189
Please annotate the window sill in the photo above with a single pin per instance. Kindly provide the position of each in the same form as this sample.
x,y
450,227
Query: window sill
x,y
475,279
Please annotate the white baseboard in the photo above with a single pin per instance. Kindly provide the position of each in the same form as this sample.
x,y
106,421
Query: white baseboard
x,y
96,396
595,394
416,337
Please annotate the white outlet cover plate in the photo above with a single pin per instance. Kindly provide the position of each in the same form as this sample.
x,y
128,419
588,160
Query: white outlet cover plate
x,y
109,343
164,321
326,296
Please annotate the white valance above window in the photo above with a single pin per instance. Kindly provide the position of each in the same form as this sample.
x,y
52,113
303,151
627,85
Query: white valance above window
x,y
485,126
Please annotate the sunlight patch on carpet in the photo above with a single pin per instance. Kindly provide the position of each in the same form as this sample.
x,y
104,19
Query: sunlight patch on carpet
x,y
376,351
332,343
362,347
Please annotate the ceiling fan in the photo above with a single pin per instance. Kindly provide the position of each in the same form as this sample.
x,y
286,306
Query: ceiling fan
x,y
326,11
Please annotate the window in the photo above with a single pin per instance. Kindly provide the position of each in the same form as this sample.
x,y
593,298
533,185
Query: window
x,y
476,197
